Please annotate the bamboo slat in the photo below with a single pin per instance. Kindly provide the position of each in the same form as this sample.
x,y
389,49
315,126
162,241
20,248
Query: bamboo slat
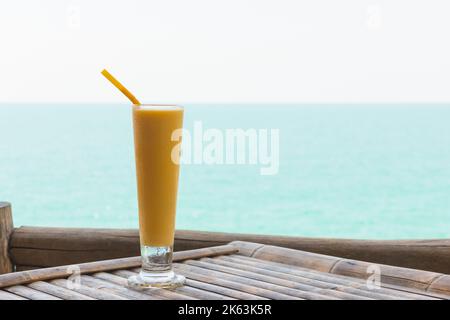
x,y
191,291
235,294
315,285
57,291
4,295
30,293
124,274
88,291
419,280
306,291
316,275
240,283
234,285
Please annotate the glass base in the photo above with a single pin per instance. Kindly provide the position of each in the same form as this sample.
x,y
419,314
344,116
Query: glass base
x,y
168,280
156,270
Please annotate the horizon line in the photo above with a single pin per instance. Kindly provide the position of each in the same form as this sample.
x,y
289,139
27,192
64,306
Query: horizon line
x,y
236,103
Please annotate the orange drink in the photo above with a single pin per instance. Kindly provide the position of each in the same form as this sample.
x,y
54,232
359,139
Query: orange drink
x,y
157,173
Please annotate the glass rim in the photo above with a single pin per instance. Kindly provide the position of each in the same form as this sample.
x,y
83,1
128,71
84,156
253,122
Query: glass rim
x,y
158,106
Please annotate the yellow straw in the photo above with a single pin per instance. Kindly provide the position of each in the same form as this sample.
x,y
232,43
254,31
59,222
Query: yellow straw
x,y
119,86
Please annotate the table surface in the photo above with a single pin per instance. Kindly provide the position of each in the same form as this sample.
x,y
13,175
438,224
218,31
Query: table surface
x,y
239,270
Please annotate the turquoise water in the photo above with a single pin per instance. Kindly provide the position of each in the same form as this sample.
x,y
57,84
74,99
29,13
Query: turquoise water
x,y
359,171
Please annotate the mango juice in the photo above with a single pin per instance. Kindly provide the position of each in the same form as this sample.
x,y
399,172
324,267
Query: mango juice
x,y
157,173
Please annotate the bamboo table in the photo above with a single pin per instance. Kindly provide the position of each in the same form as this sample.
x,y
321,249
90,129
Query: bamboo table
x,y
239,270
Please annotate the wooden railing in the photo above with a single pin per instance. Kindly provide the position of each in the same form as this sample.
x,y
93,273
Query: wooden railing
x,y
37,247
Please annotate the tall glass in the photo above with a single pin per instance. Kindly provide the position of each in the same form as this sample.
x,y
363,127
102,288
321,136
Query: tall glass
x,y
157,169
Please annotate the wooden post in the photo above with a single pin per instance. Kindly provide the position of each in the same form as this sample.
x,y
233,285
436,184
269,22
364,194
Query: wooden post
x,y
6,228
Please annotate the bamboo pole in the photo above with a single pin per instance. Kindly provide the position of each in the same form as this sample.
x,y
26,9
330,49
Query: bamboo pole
x,y
25,277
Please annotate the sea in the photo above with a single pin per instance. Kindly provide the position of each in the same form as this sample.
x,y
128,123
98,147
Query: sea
x,y
372,171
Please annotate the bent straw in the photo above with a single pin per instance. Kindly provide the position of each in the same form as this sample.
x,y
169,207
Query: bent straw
x,y
119,86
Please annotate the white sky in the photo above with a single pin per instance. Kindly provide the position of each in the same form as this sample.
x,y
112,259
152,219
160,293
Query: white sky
x,y
226,50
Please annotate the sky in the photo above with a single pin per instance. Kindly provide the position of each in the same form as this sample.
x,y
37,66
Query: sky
x,y
200,51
